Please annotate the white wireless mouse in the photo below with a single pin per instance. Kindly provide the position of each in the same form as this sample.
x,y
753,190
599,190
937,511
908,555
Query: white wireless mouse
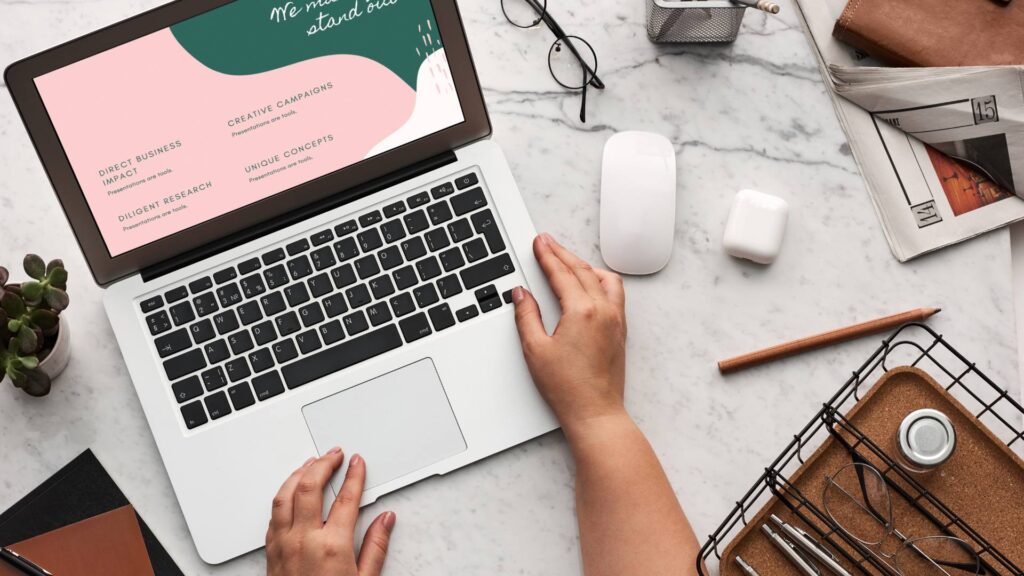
x,y
638,202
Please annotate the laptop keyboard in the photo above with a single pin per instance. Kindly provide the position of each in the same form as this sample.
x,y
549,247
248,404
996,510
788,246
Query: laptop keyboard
x,y
326,302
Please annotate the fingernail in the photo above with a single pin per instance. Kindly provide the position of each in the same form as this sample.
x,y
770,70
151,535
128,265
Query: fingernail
x,y
308,462
518,294
335,450
389,521
357,460
545,239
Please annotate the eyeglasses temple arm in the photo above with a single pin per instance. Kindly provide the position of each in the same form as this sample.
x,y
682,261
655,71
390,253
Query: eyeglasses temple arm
x,y
561,35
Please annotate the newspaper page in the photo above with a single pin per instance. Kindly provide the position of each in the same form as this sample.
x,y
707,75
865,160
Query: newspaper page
x,y
925,198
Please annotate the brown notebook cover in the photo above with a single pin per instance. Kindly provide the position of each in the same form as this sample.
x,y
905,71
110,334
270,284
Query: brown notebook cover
x,y
110,544
935,32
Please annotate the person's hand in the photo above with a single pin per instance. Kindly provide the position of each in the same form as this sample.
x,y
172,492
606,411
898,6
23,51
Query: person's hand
x,y
580,368
300,543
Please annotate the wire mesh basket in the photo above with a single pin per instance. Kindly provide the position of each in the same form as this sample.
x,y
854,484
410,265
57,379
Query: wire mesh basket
x,y
911,345
696,21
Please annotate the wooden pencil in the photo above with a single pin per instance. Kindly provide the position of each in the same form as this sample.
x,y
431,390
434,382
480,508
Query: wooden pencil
x,y
825,339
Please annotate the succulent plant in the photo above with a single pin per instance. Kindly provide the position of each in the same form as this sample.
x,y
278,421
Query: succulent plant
x,y
29,318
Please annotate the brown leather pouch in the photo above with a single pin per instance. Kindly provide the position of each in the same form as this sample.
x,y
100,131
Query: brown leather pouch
x,y
935,32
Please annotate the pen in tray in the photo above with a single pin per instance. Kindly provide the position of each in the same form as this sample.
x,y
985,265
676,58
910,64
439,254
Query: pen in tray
x,y
790,551
22,564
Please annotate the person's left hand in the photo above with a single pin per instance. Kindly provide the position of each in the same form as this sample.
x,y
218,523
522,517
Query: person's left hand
x,y
299,542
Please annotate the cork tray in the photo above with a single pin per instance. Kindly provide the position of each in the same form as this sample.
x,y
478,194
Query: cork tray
x,y
983,482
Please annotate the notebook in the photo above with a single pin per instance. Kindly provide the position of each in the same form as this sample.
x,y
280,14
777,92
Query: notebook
x,y
79,491
935,32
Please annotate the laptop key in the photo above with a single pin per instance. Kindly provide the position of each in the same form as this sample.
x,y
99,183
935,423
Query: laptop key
x,y
202,331
206,304
475,250
225,322
187,389
319,285
425,295
171,344
225,275
381,287
415,327
441,317
322,237
418,200
379,313
237,369
437,239
229,295
414,249
241,396
460,230
273,257
334,305
200,285
451,259
369,240
358,296
485,293
214,379
449,286
299,267
483,223
392,231
332,332
341,356
487,271
467,313
158,323
428,268
261,360
468,201
403,304
323,258
182,313
217,351
252,286
392,210
308,342
405,277
249,313
185,364
346,228
370,218
250,265
346,249
179,293
311,314
287,323
442,190
267,385
390,257
217,405
285,351
273,303
263,333
276,276
296,294
416,222
297,247
367,266
355,323
343,276
153,303
492,303
507,296
439,213
463,182
240,342
194,415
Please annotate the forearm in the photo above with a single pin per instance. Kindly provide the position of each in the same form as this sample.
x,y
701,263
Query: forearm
x,y
630,521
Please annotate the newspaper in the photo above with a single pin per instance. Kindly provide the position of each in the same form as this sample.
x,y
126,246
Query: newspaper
x,y
941,149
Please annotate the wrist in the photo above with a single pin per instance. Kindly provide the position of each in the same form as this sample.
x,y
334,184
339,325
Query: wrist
x,y
585,432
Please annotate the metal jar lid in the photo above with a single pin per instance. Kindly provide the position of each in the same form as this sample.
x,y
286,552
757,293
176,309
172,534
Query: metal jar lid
x,y
927,438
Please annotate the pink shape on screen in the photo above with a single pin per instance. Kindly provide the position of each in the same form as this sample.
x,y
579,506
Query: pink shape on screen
x,y
151,92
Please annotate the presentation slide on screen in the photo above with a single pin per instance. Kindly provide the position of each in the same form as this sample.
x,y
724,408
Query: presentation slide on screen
x,y
243,102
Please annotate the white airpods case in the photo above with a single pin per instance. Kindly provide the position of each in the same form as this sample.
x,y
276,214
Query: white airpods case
x,y
756,226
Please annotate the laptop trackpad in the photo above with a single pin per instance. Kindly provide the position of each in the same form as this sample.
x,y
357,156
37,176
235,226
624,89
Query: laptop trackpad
x,y
399,423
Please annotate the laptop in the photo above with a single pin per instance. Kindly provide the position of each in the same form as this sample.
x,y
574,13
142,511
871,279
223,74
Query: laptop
x,y
306,240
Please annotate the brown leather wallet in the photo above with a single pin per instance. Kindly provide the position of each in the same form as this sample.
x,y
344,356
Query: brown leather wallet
x,y
935,32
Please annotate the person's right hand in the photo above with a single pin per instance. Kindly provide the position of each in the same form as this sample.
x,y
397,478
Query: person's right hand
x,y
580,368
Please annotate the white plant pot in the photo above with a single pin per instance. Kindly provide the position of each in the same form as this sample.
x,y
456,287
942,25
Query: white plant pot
x,y
57,360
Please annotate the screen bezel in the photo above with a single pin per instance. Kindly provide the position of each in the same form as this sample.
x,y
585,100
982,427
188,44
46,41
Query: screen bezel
x,y
20,78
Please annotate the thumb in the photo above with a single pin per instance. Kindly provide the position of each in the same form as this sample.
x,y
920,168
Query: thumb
x,y
375,545
528,320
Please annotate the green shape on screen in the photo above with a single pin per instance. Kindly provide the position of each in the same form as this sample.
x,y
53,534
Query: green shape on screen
x,y
254,36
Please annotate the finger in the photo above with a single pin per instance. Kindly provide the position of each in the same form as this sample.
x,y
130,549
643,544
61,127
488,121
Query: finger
x,y
611,283
562,280
583,271
345,509
375,545
309,493
281,509
528,320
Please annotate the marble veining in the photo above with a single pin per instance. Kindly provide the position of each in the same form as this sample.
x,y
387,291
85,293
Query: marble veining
x,y
751,114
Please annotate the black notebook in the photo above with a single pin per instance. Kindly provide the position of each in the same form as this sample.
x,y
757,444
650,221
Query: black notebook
x,y
78,491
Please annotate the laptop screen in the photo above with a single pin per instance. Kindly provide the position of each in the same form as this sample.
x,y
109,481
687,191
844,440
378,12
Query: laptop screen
x,y
244,102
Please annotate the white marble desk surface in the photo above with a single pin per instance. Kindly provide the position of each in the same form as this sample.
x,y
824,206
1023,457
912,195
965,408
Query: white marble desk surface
x,y
752,114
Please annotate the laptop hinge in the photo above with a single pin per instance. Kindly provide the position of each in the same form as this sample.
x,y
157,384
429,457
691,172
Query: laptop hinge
x,y
298,215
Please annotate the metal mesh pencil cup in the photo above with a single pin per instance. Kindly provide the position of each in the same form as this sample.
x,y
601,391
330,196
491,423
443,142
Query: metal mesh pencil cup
x,y
693,21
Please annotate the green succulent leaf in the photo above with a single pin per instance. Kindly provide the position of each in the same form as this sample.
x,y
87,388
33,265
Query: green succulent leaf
x,y
46,320
32,292
53,265
29,362
12,304
58,277
4,276
35,267
34,383
28,340
56,298
14,326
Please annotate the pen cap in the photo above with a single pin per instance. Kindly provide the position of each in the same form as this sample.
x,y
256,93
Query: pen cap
x,y
926,438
